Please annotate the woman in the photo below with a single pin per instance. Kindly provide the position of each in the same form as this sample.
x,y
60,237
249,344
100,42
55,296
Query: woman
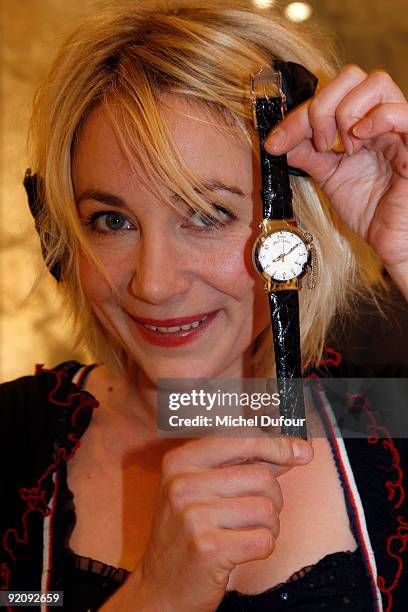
x,y
143,119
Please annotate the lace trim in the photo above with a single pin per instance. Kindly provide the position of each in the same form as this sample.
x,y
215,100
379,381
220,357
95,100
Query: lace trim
x,y
329,563
321,571
86,564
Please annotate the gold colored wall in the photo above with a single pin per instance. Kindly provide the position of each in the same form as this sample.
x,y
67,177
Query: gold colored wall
x,y
372,33
31,332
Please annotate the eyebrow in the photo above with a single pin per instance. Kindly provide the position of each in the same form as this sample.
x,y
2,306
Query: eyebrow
x,y
214,185
101,196
109,198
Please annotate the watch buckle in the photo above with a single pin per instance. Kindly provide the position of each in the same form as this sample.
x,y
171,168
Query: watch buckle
x,y
264,84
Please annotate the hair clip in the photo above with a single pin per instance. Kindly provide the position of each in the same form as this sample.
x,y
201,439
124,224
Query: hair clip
x,y
34,186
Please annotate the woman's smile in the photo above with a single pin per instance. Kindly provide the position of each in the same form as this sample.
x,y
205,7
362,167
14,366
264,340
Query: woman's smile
x,y
174,332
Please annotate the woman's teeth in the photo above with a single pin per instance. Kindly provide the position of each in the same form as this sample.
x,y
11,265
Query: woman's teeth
x,y
170,330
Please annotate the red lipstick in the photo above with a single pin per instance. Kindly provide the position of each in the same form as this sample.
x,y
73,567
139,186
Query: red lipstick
x,y
177,338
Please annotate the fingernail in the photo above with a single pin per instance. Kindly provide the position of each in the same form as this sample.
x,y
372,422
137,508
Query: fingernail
x,y
301,450
337,146
321,141
363,127
275,140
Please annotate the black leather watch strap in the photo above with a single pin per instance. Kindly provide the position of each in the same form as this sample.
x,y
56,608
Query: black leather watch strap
x,y
284,306
276,192
298,84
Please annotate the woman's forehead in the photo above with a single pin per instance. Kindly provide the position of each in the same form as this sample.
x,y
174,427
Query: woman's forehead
x,y
207,148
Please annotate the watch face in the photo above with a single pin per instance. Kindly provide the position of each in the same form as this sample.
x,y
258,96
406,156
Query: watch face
x,y
283,255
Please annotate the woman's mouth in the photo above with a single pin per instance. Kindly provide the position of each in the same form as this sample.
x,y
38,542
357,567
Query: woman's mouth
x,y
174,332
171,330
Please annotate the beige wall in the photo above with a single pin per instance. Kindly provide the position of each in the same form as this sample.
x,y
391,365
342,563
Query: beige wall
x,y
373,33
33,332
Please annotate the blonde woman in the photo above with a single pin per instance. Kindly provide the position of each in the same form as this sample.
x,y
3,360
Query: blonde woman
x,y
149,193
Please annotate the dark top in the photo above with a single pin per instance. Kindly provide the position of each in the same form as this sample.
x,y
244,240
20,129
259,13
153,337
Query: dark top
x,y
45,416
336,582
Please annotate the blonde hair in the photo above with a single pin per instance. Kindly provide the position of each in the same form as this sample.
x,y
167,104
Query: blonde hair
x,y
126,56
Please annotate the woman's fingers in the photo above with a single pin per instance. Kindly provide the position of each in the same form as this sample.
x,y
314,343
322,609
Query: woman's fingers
x,y
323,107
378,88
316,118
247,479
290,132
212,452
320,166
385,118
340,105
237,546
232,513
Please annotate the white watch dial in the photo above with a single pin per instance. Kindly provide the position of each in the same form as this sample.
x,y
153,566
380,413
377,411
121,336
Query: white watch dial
x,y
283,255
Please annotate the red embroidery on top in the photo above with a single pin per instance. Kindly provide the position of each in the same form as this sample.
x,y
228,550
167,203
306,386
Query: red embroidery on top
x,y
395,488
332,357
35,497
392,486
395,485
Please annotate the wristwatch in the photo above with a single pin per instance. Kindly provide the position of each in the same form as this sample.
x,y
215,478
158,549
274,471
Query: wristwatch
x,y
282,254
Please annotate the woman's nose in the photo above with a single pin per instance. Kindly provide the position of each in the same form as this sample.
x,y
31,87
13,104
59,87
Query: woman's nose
x,y
161,269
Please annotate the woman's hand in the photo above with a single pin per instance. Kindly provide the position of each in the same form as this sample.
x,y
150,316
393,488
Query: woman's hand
x,y
368,183
218,506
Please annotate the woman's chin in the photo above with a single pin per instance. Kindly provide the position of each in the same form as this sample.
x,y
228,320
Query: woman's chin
x,y
190,370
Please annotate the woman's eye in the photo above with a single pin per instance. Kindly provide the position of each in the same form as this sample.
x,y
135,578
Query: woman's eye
x,y
200,220
106,222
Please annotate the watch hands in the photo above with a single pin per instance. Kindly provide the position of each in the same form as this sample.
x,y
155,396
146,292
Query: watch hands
x,y
283,254
293,248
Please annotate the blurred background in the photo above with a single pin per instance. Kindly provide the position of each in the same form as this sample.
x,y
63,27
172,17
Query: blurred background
x,y
371,33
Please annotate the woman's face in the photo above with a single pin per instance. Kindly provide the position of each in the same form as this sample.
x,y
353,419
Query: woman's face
x,y
171,270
